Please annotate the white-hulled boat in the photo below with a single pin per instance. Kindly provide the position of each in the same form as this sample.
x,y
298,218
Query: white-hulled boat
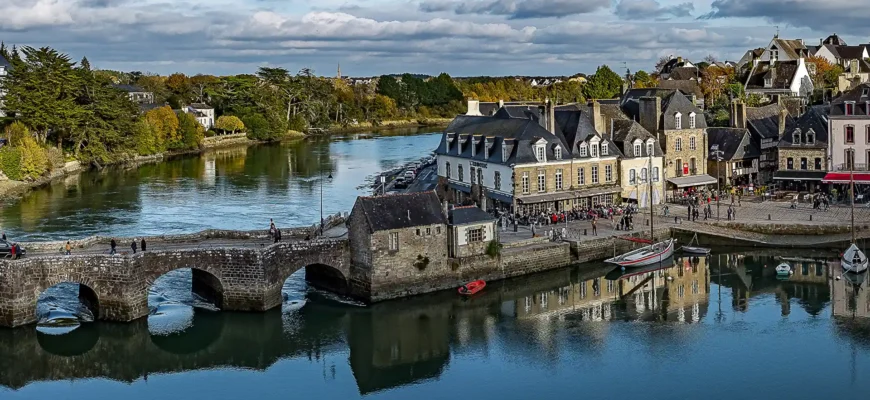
x,y
689,249
783,269
854,260
647,255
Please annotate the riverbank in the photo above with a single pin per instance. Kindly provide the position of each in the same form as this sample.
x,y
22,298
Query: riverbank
x,y
393,124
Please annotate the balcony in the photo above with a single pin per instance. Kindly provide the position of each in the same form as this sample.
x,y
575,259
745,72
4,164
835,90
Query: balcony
x,y
855,167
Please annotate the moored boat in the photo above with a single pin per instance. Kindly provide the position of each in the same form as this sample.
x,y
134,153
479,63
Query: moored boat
x,y
854,260
647,255
783,269
471,288
695,249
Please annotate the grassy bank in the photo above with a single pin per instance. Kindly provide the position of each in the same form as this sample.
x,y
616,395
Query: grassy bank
x,y
409,123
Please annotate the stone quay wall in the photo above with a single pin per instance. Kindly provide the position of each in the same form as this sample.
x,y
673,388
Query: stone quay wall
x,y
247,279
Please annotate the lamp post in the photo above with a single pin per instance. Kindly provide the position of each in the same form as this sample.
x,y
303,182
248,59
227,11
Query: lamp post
x,y
714,151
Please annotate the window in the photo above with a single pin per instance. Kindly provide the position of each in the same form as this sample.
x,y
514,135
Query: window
x,y
643,173
789,164
850,109
475,235
594,174
437,230
583,150
850,159
542,181
447,167
818,164
850,134
692,143
678,121
637,150
418,231
691,120
593,150
867,133
581,176
473,146
486,149
678,144
655,174
558,152
692,166
472,175
541,153
604,149
774,54
497,180
649,148
796,137
810,137
558,179
504,152
480,176
608,173
461,177
428,231
525,183
394,241
803,163
632,177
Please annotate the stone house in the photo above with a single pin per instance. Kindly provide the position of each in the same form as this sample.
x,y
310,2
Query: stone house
x,y
849,135
5,67
766,125
528,159
471,231
802,153
774,78
398,239
136,94
737,164
679,125
639,148
204,114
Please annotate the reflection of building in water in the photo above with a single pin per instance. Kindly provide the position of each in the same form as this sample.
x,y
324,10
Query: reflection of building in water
x,y
688,292
850,296
208,173
394,348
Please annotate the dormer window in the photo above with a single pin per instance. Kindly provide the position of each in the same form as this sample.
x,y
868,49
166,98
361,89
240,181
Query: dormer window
x,y
593,150
691,120
864,92
768,82
637,150
473,147
796,137
558,152
584,150
541,153
678,121
604,149
504,152
849,108
486,146
649,148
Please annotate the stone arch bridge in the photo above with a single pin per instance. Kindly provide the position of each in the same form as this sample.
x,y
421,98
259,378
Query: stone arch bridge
x,y
116,287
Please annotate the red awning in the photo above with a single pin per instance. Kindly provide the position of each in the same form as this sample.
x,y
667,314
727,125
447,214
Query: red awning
x,y
843,177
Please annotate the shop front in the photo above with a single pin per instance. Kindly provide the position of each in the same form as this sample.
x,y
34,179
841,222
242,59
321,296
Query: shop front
x,y
568,200
799,181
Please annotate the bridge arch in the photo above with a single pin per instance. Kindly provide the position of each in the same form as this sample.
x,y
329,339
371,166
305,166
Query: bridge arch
x,y
87,293
75,343
323,276
205,282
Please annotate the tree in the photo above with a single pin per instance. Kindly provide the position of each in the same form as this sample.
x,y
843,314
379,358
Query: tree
x,y
660,64
644,80
823,73
200,84
164,125
229,123
16,132
179,85
604,84
191,132
258,127
714,82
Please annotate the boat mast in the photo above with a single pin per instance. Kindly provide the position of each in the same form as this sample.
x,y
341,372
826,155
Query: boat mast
x,y
852,193
649,176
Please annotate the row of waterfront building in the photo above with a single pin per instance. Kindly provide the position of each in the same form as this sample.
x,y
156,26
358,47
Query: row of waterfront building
x,y
537,157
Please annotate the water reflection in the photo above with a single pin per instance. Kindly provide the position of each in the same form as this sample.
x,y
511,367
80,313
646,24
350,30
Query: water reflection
x,y
237,188
562,329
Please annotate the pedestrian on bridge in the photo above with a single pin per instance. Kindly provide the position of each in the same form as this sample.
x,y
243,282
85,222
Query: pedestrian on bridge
x,y
143,245
3,236
68,248
113,244
133,245
277,235
594,227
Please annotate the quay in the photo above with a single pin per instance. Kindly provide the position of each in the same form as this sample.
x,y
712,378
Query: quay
x,y
388,247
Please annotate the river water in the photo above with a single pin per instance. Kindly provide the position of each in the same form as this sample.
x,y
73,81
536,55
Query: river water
x,y
721,327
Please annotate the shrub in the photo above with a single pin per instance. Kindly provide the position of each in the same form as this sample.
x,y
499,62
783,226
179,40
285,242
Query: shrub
x,y
229,123
34,161
10,162
493,249
422,262
55,158
210,133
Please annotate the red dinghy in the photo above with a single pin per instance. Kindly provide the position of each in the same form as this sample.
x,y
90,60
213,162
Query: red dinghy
x,y
472,287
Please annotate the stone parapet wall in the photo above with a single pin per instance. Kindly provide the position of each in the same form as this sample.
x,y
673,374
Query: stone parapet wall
x,y
606,247
774,228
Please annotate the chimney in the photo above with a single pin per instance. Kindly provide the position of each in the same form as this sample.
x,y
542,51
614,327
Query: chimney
x,y
500,103
473,108
551,117
853,66
738,114
597,119
782,114
650,114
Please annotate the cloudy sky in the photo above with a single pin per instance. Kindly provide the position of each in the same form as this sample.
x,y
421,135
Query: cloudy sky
x,y
372,37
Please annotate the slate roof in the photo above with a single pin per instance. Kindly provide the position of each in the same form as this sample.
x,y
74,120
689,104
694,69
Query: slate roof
x,y
130,88
522,111
630,101
488,108
813,121
516,135
677,102
685,86
782,73
834,40
859,94
398,211
735,143
611,112
851,52
676,62
200,106
468,215
863,67
625,132
794,48
684,73
764,121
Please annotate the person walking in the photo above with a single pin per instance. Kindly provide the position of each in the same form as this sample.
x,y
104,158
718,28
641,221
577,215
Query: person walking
x,y
133,245
68,248
12,251
3,236
113,244
594,227
277,235
272,227
142,245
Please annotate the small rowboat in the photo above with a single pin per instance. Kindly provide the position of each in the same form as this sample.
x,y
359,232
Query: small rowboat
x,y
854,260
783,269
471,288
647,255
695,249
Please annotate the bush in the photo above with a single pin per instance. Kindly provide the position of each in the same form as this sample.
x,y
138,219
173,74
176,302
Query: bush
x,y
258,127
10,162
493,249
55,158
34,161
210,133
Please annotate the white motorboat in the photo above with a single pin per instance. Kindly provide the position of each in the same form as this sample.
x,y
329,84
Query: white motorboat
x,y
854,260
695,249
783,269
647,255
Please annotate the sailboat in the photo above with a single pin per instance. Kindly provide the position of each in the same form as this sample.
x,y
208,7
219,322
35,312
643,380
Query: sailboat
x,y
689,249
653,253
854,260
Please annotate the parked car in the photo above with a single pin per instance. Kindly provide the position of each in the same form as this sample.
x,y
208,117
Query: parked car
x,y
409,175
6,249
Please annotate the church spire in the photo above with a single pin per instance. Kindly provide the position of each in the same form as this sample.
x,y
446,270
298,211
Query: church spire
x,y
339,70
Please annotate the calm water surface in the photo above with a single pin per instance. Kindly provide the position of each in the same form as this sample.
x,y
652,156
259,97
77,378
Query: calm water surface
x,y
723,328
238,188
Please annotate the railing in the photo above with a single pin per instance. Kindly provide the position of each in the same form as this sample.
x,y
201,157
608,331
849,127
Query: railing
x,y
855,167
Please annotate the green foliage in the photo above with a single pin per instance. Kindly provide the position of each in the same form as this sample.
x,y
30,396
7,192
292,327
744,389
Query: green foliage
x,y
10,162
210,133
34,162
55,158
604,84
493,249
190,132
410,93
146,138
229,123
421,262
16,132
164,125
258,127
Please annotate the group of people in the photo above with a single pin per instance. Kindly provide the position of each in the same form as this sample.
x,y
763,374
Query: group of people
x,y
114,245
274,232
14,249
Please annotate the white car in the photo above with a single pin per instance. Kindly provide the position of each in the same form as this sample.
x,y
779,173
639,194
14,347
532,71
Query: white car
x,y
410,175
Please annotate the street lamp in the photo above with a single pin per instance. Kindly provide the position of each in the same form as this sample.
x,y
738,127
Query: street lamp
x,y
714,151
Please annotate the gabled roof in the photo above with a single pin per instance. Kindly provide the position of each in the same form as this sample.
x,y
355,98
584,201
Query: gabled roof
x,y
794,48
130,88
625,132
684,73
468,215
764,121
781,72
735,143
812,121
685,86
834,40
200,106
675,103
860,95
851,52
515,135
398,211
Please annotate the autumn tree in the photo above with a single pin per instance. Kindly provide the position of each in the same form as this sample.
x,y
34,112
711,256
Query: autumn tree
x,y
823,73
229,123
643,80
164,125
200,85
190,133
180,88
715,81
